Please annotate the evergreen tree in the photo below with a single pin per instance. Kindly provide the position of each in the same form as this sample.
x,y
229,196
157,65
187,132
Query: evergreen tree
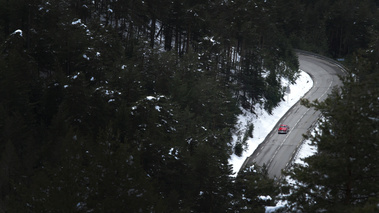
x,y
21,126
253,190
343,173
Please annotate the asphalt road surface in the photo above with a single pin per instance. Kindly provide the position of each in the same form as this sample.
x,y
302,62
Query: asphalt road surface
x,y
277,150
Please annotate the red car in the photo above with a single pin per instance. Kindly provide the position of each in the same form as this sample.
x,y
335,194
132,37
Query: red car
x,y
283,129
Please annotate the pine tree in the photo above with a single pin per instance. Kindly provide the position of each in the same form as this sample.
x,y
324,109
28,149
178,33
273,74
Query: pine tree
x,y
253,190
344,171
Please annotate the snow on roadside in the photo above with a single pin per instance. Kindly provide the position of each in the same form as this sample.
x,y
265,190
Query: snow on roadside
x,y
264,122
305,150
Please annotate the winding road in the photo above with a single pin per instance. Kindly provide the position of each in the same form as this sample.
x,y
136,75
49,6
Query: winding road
x,y
277,150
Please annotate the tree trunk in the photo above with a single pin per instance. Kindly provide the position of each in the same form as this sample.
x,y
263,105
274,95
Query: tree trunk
x,y
152,32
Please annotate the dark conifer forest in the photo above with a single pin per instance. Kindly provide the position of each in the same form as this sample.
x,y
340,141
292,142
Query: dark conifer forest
x,y
129,105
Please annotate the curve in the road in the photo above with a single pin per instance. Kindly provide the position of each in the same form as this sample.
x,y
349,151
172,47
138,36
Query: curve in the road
x,y
277,150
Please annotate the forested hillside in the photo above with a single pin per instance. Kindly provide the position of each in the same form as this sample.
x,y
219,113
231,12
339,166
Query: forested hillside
x,y
110,105
343,175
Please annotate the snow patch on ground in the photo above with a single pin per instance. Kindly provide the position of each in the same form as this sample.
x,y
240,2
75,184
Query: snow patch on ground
x,y
306,150
264,122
